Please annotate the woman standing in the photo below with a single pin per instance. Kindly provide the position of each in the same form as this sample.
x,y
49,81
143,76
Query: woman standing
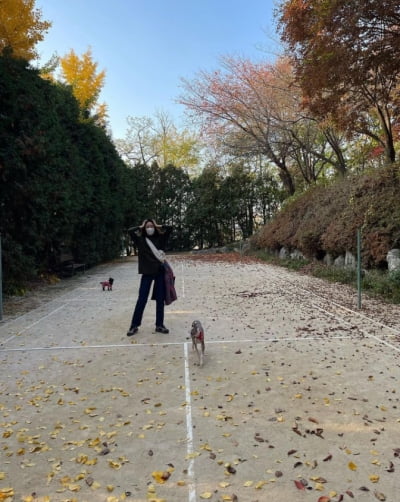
x,y
151,269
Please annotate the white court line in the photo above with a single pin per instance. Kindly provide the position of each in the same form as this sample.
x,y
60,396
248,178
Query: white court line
x,y
368,318
5,322
336,316
189,428
370,335
33,324
380,323
165,344
351,311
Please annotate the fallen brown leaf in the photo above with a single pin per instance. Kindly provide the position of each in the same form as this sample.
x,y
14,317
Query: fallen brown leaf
x,y
300,485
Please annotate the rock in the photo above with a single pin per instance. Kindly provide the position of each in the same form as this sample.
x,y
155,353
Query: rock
x,y
350,260
283,253
339,261
246,246
393,259
297,255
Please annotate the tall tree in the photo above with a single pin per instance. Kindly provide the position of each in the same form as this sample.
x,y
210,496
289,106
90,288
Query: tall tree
x,y
158,140
172,191
86,82
346,59
237,198
59,177
204,210
174,147
138,145
243,97
21,27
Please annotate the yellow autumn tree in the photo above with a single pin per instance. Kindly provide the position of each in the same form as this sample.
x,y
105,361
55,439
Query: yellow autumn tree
x,y
86,82
21,27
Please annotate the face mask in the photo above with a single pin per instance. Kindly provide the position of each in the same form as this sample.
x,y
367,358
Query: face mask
x,y
150,231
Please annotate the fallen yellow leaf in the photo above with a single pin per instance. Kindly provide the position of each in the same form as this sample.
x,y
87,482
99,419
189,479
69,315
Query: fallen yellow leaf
x,y
260,484
352,466
206,495
6,493
74,488
161,476
94,442
374,478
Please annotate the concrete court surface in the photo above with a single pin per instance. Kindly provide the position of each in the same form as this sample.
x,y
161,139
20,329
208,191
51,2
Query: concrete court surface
x,y
298,398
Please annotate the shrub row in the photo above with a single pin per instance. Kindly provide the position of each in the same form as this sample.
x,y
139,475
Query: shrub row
x,y
325,219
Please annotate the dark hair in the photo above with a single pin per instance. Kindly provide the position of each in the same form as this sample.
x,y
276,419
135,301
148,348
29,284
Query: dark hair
x,y
144,226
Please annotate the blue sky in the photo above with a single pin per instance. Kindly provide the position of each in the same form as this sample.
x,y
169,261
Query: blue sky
x,y
147,46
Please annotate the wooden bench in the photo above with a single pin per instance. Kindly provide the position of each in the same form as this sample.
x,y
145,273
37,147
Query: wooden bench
x,y
67,265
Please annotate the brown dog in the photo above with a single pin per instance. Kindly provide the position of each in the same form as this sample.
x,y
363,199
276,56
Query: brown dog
x,y
107,284
197,334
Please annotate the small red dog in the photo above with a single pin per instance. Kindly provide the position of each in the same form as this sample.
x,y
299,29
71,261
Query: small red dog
x,y
197,335
107,284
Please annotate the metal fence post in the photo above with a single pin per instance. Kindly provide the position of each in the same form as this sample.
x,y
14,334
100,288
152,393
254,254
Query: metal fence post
x,y
1,284
359,266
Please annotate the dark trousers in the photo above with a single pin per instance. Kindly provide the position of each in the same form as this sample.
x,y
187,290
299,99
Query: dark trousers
x,y
159,294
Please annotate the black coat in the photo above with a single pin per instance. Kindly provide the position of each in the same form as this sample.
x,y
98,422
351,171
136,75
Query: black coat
x,y
148,263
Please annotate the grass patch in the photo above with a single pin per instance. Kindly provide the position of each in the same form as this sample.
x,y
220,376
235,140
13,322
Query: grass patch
x,y
383,284
343,275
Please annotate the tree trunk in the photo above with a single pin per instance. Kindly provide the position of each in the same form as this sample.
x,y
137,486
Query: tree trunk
x,y
384,118
287,180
